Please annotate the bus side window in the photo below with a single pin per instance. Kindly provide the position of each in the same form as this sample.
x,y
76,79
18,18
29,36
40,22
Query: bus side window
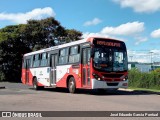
x,y
44,59
89,56
36,60
63,56
27,63
31,63
24,63
74,55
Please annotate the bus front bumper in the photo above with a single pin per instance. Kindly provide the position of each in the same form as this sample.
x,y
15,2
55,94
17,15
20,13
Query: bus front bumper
x,y
96,84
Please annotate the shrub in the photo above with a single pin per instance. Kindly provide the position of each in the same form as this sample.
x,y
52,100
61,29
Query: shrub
x,y
150,80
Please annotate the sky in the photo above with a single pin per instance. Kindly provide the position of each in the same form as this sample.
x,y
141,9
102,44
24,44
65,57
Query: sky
x,y
136,22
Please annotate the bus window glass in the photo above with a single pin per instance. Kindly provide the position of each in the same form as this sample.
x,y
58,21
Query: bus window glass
x,y
24,63
89,56
74,55
31,64
63,58
73,50
44,59
110,59
36,60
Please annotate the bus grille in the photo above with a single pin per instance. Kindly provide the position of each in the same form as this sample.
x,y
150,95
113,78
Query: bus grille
x,y
112,84
113,75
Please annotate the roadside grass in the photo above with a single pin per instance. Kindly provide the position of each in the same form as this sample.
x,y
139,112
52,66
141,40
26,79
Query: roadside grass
x,y
144,81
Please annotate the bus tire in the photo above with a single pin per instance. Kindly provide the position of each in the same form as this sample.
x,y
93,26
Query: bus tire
x,y
115,89
101,91
72,85
35,84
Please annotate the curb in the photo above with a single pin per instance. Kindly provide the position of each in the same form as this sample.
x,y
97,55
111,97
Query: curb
x,y
129,90
2,87
148,92
140,91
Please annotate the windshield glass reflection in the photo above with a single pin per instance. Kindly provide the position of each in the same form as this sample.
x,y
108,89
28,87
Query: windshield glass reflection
x,y
110,59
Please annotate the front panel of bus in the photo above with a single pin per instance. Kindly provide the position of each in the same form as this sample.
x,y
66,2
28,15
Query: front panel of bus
x,y
109,64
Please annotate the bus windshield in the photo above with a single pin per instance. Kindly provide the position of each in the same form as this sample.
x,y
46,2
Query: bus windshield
x,y
110,59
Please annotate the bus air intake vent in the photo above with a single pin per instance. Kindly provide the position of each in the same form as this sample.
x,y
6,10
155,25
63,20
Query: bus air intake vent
x,y
112,84
113,75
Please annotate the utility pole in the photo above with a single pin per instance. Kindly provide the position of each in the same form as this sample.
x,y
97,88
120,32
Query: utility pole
x,y
151,58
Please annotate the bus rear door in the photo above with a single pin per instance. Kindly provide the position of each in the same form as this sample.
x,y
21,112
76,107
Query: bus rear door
x,y
53,69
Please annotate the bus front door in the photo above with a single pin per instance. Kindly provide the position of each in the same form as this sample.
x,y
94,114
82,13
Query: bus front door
x,y
86,67
53,69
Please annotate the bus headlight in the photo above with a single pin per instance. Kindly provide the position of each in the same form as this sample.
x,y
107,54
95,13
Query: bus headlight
x,y
125,78
96,76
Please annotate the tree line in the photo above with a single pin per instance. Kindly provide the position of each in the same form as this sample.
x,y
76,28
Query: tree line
x,y
16,40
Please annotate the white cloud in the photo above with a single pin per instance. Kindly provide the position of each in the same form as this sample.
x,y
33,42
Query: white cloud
x,y
141,6
143,56
156,33
95,21
155,51
138,56
37,13
140,40
130,28
88,34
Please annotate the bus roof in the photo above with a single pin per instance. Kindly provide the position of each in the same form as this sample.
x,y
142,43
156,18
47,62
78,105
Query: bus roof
x,y
66,45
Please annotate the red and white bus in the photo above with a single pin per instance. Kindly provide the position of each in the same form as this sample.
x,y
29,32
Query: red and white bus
x,y
92,63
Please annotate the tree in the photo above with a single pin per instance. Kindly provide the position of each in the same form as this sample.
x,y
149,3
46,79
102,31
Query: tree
x,y
72,35
12,49
16,40
42,33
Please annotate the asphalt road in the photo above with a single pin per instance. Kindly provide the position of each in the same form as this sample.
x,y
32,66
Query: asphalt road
x,y
18,97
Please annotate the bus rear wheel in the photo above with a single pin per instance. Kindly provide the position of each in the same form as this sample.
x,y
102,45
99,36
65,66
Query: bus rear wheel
x,y
35,84
72,85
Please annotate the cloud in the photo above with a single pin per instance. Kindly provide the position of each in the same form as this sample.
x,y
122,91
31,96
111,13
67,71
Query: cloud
x,y
143,56
156,33
95,21
140,6
98,34
130,28
19,18
137,56
140,40
88,34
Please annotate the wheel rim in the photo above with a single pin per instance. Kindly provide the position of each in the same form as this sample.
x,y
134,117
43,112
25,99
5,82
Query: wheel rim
x,y
71,86
35,85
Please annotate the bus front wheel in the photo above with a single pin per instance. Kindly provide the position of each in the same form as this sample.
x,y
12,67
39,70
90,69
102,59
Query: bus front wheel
x,y
72,85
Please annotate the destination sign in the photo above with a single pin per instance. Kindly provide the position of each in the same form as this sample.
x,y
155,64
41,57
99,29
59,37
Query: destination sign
x,y
109,43
105,43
